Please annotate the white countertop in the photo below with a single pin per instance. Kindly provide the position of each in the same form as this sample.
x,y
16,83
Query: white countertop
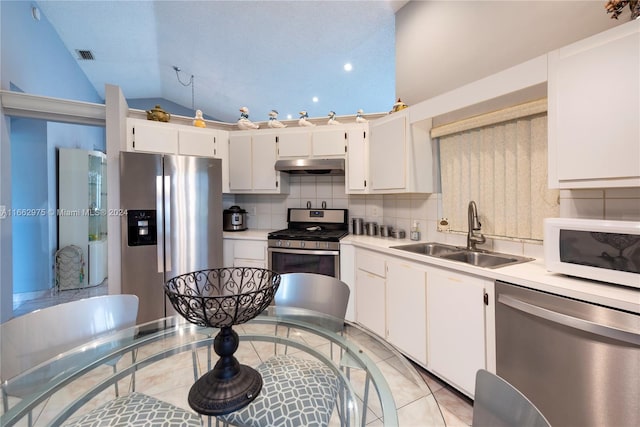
x,y
246,235
530,274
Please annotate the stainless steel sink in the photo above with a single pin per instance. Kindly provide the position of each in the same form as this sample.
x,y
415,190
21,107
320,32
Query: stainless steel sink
x,y
455,253
431,249
484,259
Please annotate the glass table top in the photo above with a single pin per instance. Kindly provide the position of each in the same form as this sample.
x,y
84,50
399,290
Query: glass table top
x,y
163,358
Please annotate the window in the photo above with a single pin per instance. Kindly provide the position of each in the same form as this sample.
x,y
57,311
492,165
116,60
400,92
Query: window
x,y
499,160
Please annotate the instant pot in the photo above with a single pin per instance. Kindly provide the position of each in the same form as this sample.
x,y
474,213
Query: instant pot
x,y
234,219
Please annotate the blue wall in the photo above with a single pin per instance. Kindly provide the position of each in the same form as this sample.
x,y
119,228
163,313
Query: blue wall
x,y
34,60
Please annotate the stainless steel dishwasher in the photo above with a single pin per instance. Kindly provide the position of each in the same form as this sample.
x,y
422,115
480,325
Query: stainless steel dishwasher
x,y
579,363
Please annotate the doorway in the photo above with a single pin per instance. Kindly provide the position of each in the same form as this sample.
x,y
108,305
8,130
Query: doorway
x,y
34,145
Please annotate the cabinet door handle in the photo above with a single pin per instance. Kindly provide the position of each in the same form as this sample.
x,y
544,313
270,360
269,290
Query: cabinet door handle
x,y
570,321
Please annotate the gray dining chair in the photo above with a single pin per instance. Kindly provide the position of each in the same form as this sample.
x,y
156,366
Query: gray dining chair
x,y
499,404
299,391
317,292
41,335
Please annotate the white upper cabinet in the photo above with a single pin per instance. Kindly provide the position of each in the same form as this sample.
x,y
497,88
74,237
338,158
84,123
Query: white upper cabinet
x,y
320,142
400,156
594,111
293,143
169,138
329,141
252,157
197,142
357,167
150,136
240,155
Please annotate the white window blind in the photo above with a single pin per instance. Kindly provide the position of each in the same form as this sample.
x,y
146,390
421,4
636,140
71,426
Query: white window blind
x,y
503,167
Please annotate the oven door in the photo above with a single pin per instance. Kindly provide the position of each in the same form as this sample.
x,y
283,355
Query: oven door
x,y
305,261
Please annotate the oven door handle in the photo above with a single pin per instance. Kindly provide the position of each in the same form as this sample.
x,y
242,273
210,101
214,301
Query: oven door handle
x,y
302,252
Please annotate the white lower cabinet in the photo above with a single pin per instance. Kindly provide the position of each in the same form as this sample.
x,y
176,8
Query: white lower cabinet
x,y
370,291
406,308
245,253
441,319
457,321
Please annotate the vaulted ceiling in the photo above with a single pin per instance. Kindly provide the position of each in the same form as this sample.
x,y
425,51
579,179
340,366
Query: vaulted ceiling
x,y
260,54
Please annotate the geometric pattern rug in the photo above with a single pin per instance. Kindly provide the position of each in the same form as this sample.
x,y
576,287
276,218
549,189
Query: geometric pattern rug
x,y
137,409
295,392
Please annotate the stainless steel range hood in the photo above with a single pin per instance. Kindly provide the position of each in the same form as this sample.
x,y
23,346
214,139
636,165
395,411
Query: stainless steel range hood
x,y
311,166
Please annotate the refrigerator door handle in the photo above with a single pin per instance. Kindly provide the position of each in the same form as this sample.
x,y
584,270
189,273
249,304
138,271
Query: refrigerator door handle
x,y
160,224
167,222
571,321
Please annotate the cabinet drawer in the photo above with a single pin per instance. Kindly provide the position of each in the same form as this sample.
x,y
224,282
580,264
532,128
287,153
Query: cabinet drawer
x,y
249,250
372,263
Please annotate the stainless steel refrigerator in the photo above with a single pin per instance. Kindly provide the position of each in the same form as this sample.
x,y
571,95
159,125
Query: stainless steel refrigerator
x,y
172,225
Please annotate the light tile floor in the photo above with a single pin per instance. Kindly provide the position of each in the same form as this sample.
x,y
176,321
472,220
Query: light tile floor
x,y
456,409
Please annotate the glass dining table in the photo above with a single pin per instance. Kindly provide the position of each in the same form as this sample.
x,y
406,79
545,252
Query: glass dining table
x,y
163,358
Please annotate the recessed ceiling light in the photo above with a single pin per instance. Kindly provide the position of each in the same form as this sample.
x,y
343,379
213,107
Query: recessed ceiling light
x,y
314,99
348,66
289,116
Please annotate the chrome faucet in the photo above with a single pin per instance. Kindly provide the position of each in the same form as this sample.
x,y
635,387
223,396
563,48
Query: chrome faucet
x,y
474,239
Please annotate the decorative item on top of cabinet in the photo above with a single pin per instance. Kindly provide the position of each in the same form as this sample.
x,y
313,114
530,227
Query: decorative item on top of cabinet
x,y
398,106
157,114
359,116
303,119
273,120
243,122
332,118
198,121
615,8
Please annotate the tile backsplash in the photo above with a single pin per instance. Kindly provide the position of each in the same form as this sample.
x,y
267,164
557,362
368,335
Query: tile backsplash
x,y
269,212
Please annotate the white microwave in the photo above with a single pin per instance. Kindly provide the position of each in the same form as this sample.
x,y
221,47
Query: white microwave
x,y
608,251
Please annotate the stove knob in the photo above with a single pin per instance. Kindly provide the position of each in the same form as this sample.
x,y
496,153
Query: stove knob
x,y
279,243
302,244
287,243
327,245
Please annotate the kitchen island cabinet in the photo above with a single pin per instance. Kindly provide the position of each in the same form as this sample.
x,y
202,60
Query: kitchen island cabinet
x,y
594,106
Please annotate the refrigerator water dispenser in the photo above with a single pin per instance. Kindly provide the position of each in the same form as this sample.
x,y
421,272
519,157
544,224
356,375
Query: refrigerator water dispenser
x,y
142,227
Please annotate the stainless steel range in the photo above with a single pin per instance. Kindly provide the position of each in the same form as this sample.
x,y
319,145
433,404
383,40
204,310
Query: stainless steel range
x,y
311,243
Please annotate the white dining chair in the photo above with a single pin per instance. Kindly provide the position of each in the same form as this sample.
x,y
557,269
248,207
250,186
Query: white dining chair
x,y
499,404
41,335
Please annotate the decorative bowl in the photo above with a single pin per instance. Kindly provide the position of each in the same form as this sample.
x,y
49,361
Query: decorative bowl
x,y
221,298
